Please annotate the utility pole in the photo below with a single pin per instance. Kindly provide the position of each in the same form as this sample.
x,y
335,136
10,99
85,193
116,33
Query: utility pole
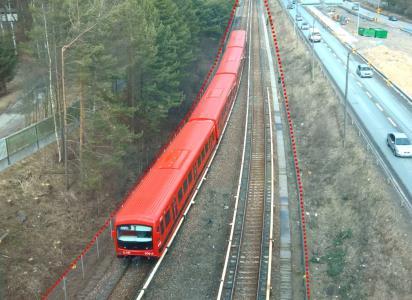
x,y
313,51
346,96
357,27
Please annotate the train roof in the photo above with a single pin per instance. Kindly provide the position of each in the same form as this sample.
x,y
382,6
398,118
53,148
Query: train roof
x,y
231,61
237,39
147,201
215,97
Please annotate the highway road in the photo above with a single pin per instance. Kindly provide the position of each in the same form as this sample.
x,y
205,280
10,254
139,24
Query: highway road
x,y
378,106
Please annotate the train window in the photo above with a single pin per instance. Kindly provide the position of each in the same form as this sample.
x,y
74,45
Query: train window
x,y
174,208
203,153
185,186
180,194
167,218
190,177
195,171
162,227
199,161
207,147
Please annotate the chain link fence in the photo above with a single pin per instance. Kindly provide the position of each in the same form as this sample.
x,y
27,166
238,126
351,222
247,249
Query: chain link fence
x,y
83,268
29,140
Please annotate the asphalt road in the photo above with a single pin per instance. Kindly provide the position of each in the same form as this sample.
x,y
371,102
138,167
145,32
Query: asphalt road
x,y
379,107
11,121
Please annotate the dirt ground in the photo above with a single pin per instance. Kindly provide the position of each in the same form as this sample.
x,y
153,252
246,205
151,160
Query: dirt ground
x,y
46,226
396,65
359,235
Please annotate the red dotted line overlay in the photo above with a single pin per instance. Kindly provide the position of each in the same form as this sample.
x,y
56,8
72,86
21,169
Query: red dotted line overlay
x,y
295,156
199,95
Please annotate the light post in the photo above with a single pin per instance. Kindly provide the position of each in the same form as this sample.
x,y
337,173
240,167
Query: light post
x,y
295,21
313,50
357,22
346,95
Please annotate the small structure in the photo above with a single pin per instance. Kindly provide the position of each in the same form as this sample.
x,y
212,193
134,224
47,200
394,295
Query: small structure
x,y
8,15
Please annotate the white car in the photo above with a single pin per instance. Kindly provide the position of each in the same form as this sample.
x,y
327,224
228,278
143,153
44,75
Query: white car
x,y
364,71
399,144
314,36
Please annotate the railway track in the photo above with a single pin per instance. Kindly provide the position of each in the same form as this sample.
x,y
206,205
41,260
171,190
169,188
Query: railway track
x,y
246,272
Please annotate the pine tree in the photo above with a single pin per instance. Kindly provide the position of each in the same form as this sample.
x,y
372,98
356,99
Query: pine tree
x,y
8,63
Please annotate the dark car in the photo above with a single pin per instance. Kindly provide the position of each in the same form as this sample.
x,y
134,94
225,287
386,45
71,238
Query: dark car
x,y
290,6
392,18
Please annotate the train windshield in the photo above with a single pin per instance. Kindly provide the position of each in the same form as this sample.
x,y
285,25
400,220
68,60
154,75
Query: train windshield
x,y
136,237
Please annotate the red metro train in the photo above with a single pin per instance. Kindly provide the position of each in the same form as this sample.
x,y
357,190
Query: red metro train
x,y
151,212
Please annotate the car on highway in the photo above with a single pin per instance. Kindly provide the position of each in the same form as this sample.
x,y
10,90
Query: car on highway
x,y
355,7
393,18
298,18
290,6
400,144
304,26
364,70
314,36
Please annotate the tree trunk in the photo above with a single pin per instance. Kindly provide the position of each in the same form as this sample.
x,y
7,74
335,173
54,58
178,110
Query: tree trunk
x,y
2,28
81,139
3,88
51,85
12,29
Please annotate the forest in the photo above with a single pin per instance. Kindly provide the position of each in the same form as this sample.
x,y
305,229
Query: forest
x,y
130,68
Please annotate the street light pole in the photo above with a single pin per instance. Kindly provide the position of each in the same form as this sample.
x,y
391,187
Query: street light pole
x,y
346,98
64,135
313,51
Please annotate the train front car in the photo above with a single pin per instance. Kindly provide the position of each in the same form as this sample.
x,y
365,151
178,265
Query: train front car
x,y
149,215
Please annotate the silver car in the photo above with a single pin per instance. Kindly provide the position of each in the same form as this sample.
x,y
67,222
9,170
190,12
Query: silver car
x,y
315,37
399,144
364,71
304,26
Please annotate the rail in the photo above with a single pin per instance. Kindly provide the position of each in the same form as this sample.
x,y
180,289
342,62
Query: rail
x,y
246,272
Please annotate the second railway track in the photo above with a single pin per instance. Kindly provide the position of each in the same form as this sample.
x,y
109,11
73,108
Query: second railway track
x,y
247,261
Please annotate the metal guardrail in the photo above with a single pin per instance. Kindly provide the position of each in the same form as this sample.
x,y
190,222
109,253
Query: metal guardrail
x,y
406,30
355,13
31,139
370,143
